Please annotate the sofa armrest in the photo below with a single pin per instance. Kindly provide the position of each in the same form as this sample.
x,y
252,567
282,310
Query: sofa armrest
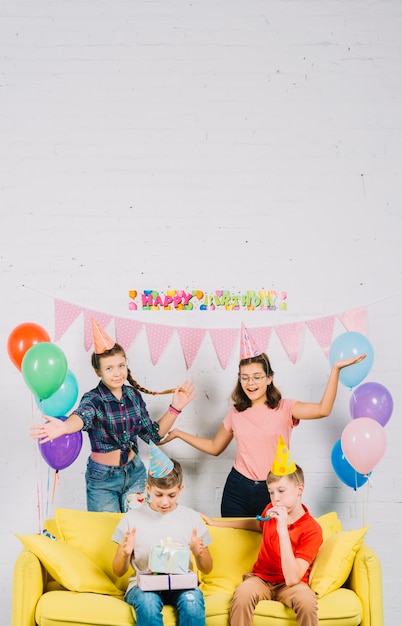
x,y
366,580
28,586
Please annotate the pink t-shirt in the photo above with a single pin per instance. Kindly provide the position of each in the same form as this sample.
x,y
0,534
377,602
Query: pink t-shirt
x,y
256,432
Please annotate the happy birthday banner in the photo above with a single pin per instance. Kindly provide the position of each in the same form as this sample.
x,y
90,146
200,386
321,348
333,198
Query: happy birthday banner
x,y
181,300
223,339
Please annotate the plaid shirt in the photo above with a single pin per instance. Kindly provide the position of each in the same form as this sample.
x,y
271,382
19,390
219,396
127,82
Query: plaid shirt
x,y
114,424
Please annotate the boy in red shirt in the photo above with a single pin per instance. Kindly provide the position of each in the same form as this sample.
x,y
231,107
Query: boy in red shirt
x,y
291,538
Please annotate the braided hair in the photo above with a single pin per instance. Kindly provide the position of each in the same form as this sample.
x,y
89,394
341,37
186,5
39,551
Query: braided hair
x,y
118,349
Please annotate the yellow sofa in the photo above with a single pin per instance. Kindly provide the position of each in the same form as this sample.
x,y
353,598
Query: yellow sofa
x,y
69,581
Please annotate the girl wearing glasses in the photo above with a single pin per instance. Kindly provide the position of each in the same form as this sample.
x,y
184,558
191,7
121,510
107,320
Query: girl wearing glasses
x,y
258,417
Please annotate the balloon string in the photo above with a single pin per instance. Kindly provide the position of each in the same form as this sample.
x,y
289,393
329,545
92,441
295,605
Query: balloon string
x,y
39,495
56,481
47,493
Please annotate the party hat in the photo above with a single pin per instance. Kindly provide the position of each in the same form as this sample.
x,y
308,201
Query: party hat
x,y
102,341
159,464
248,347
283,463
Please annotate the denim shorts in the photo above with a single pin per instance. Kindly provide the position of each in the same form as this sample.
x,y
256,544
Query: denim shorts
x,y
243,497
108,486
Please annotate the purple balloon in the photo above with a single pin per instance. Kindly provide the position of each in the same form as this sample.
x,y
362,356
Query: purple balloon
x,y
371,400
61,452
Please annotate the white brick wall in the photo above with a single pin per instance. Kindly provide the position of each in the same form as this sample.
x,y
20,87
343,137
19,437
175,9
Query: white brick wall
x,y
232,145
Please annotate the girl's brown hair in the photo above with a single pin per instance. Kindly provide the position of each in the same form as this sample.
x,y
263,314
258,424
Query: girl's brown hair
x,y
240,399
118,349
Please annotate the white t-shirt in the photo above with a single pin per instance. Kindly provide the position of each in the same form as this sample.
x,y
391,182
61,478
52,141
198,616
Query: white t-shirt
x,y
152,527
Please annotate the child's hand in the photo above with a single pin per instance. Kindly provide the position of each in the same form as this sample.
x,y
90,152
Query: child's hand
x,y
350,361
183,395
169,437
196,544
208,520
128,543
280,515
49,430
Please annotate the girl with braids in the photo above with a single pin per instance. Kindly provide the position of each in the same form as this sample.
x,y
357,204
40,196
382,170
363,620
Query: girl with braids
x,y
114,415
258,417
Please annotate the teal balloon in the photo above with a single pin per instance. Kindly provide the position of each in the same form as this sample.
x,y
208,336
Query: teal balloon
x,y
61,401
44,368
343,469
347,345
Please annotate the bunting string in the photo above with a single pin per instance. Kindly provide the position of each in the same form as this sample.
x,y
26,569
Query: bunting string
x,y
223,339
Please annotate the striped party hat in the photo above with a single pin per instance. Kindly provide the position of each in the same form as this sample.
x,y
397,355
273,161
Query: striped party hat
x,y
159,464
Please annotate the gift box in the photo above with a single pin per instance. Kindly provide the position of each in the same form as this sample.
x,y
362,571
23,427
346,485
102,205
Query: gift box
x,y
163,582
169,558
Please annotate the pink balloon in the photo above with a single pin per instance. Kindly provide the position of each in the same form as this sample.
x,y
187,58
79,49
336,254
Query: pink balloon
x,y
363,443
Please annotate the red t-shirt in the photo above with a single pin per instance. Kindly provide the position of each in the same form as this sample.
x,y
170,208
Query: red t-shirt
x,y
305,536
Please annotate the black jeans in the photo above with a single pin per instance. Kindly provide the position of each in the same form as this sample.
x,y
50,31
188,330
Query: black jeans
x,y
243,497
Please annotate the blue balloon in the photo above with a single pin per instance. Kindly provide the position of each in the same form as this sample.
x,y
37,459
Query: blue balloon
x,y
347,345
62,400
343,469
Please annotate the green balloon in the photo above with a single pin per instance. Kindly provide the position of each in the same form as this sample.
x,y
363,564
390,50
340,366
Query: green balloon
x,y
44,368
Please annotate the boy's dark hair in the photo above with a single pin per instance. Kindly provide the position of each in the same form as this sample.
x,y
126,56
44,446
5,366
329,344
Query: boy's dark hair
x,y
296,477
241,401
173,479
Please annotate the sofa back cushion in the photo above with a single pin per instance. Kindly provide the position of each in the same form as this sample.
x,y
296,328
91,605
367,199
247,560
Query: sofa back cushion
x,y
234,553
334,560
91,532
330,524
69,566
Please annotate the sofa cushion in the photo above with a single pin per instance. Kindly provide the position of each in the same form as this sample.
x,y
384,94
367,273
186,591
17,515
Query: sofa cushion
x,y
330,524
334,560
89,609
91,533
69,566
340,607
227,572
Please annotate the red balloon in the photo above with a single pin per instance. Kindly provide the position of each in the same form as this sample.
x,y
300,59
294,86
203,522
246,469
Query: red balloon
x,y
22,338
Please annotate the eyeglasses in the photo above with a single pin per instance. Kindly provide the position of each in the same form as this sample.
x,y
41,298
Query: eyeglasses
x,y
252,379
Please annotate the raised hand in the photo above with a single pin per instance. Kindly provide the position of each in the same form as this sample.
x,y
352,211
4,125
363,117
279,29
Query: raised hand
x,y
183,395
349,361
128,543
196,544
49,430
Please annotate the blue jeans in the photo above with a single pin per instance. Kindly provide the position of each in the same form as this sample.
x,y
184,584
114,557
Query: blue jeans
x,y
148,605
243,497
108,486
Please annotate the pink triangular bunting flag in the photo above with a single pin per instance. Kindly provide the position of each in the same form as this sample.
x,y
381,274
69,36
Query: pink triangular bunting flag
x,y
290,336
354,320
102,319
190,340
322,330
158,337
64,314
262,336
126,331
224,340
